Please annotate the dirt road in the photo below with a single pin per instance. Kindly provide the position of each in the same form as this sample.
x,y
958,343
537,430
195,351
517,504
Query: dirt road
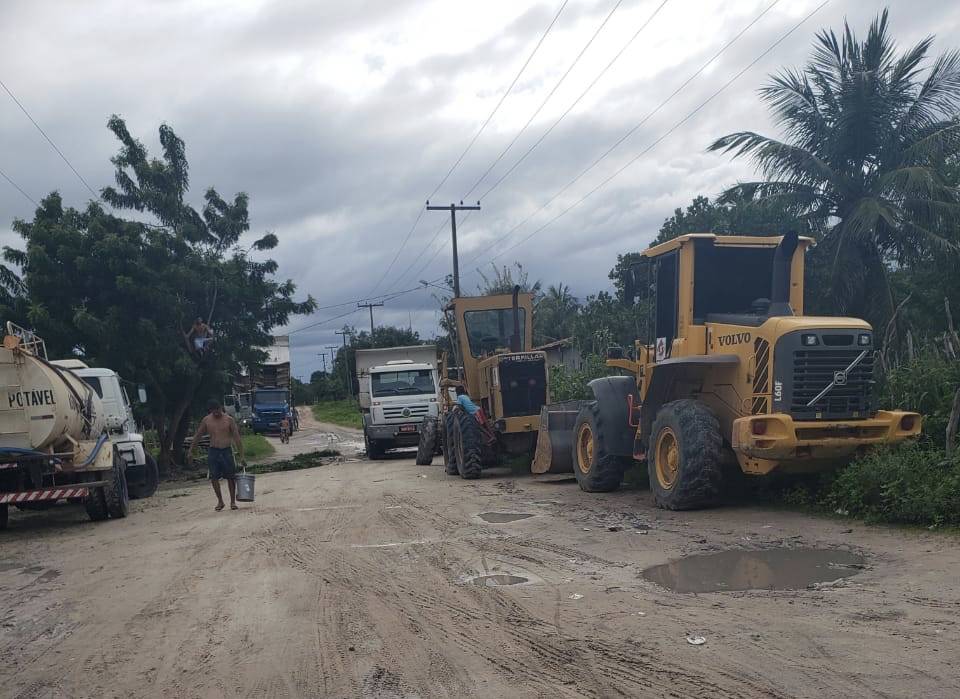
x,y
354,580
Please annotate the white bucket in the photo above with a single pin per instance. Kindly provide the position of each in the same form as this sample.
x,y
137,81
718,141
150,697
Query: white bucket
x,y
245,487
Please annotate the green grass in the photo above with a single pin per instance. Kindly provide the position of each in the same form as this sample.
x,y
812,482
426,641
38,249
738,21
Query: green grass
x,y
300,461
342,412
256,446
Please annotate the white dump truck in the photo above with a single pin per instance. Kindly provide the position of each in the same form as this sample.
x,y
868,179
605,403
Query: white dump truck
x,y
54,440
397,390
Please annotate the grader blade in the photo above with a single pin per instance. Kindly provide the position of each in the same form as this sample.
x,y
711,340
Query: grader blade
x,y
555,438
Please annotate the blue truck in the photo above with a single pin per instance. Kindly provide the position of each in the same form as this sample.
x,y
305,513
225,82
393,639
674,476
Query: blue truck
x,y
270,406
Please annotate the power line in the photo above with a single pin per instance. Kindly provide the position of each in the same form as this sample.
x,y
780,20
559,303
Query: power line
x,y
634,128
433,239
574,103
18,188
48,139
542,104
667,133
471,143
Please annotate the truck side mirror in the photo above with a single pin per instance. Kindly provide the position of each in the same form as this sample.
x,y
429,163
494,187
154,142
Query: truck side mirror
x,y
142,393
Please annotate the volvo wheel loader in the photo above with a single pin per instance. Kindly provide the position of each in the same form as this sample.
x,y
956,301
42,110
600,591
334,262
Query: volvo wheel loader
x,y
491,339
737,378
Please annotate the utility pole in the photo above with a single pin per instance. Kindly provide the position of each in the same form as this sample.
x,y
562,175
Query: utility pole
x,y
323,356
346,360
371,306
453,209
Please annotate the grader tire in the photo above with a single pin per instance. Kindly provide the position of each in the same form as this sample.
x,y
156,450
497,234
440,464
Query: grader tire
x,y
595,468
469,446
684,458
115,492
450,445
428,440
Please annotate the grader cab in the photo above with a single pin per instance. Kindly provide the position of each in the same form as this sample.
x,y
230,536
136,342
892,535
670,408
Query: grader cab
x,y
737,377
491,339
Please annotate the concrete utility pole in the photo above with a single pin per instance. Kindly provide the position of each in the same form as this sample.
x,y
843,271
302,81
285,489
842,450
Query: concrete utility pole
x,y
453,209
323,356
346,360
371,306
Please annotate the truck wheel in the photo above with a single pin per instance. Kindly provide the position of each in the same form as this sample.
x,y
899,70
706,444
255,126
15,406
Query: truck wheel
x,y
148,485
4,516
450,445
96,505
596,470
469,446
428,439
115,492
684,462
374,450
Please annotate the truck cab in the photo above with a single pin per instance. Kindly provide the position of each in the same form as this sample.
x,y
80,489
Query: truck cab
x,y
270,406
396,395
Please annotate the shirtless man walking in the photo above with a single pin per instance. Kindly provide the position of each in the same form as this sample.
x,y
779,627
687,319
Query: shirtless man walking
x,y
223,432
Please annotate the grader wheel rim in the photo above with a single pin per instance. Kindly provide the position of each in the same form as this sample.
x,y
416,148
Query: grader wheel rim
x,y
585,444
667,457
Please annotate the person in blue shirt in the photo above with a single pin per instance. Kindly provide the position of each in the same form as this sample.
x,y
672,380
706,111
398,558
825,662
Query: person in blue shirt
x,y
463,400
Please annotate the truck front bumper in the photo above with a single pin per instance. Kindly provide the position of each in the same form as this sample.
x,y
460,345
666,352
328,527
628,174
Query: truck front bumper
x,y
402,434
767,442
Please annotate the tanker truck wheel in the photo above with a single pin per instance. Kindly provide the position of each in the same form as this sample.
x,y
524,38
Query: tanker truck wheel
x,y
4,516
428,440
596,470
450,445
96,505
115,492
469,449
684,458
148,485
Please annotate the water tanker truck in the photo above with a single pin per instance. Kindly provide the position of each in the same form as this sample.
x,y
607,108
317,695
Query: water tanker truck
x,y
54,442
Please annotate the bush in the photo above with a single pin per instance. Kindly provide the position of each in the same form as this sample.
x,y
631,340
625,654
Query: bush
x,y
927,385
570,384
911,484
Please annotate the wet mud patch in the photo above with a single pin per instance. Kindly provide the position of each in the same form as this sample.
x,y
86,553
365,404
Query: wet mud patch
x,y
769,569
503,517
498,580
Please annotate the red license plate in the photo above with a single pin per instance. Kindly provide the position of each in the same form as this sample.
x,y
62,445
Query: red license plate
x,y
408,428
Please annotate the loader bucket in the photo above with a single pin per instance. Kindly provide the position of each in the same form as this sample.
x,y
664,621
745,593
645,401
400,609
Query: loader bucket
x,y
555,438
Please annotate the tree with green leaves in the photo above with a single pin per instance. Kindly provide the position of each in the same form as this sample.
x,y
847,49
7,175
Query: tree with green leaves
x,y
554,314
122,293
868,132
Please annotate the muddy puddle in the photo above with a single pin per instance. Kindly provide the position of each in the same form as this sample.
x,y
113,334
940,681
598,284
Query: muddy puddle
x,y
498,580
771,569
503,517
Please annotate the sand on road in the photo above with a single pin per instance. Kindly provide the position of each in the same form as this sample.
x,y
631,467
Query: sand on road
x,y
355,580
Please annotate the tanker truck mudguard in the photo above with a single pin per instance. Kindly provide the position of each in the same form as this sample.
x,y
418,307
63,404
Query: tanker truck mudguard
x,y
54,441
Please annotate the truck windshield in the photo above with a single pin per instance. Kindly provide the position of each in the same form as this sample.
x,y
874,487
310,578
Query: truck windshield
x,y
94,383
271,397
401,383
490,330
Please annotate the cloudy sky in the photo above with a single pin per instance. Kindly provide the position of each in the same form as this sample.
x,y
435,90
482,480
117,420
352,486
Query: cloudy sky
x,y
340,118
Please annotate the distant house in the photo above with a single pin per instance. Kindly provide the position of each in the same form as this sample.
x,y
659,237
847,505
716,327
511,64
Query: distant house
x,y
563,353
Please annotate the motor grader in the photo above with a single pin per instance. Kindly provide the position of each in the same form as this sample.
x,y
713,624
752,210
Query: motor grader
x,y
491,339
737,378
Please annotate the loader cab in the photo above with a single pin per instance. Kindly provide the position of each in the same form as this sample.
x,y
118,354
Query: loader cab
x,y
732,280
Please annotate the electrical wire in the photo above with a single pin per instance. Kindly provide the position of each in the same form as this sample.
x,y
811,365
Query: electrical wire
x,y
18,188
677,125
48,139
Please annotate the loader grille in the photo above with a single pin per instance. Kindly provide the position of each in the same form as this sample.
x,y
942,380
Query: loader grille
x,y
815,368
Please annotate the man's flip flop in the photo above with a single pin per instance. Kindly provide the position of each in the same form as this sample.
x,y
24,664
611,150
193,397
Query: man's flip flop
x,y
234,507
219,507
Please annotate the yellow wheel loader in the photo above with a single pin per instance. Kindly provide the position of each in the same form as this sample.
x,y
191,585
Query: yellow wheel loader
x,y
493,362
737,377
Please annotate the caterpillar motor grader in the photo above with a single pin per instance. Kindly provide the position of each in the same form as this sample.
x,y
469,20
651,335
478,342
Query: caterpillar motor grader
x,y
737,377
491,338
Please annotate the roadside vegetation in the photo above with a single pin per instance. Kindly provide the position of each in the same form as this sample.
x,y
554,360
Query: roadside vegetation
x,y
312,459
256,447
338,412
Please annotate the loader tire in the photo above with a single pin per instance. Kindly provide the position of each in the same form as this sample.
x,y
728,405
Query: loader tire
x,y
115,492
428,441
4,516
151,479
684,456
96,505
450,445
469,446
595,468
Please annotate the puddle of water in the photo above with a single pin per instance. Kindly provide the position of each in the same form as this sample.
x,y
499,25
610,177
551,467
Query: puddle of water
x,y
498,580
503,517
771,569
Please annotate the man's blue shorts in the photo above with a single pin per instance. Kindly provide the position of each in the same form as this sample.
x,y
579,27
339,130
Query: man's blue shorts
x,y
221,464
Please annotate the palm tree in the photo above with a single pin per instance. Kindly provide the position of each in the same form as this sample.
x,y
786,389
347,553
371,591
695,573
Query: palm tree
x,y
554,314
866,141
